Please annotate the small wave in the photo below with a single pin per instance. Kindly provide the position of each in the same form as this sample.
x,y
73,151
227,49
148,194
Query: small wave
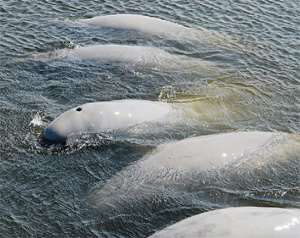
x,y
37,121
57,54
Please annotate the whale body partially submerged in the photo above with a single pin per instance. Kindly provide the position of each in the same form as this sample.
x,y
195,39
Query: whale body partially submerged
x,y
156,26
103,116
122,53
237,222
141,55
206,152
180,167
134,22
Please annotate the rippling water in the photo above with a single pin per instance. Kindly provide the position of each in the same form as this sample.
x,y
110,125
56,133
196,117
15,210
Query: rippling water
x,y
253,85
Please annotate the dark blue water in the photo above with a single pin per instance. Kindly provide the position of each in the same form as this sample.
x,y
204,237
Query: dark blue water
x,y
254,85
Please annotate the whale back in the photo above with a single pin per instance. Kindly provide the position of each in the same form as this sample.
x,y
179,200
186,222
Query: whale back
x,y
237,222
103,116
207,152
121,53
133,22
198,166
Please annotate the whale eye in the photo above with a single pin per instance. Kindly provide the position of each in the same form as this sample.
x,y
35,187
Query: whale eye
x,y
78,109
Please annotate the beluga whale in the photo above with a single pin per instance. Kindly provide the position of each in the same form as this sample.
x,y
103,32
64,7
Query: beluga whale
x,y
140,55
135,22
193,170
122,53
156,26
237,222
103,116
133,116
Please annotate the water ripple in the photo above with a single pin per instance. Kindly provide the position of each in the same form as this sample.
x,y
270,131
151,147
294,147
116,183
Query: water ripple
x,y
253,86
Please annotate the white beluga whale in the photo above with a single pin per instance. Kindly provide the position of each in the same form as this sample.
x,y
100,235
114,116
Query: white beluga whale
x,y
189,167
97,117
134,23
134,117
123,53
206,152
142,55
103,116
153,57
156,26
237,222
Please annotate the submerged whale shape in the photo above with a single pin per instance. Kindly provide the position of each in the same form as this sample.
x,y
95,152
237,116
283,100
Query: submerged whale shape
x,y
134,23
142,55
187,167
103,116
206,152
156,26
123,53
127,53
237,222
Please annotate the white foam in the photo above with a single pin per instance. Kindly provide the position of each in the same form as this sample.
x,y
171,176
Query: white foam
x,y
37,121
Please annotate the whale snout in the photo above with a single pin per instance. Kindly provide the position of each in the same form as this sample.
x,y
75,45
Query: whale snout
x,y
58,130
50,136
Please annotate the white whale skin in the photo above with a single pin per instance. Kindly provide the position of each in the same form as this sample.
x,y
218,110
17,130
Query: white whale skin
x,y
237,222
102,116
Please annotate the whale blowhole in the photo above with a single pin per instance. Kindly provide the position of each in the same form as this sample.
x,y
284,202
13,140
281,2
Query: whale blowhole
x,y
79,109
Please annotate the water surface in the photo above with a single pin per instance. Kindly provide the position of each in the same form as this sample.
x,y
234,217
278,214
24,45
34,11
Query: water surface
x,y
254,85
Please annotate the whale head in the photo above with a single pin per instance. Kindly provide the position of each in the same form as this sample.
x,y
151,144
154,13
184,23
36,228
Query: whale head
x,y
71,122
